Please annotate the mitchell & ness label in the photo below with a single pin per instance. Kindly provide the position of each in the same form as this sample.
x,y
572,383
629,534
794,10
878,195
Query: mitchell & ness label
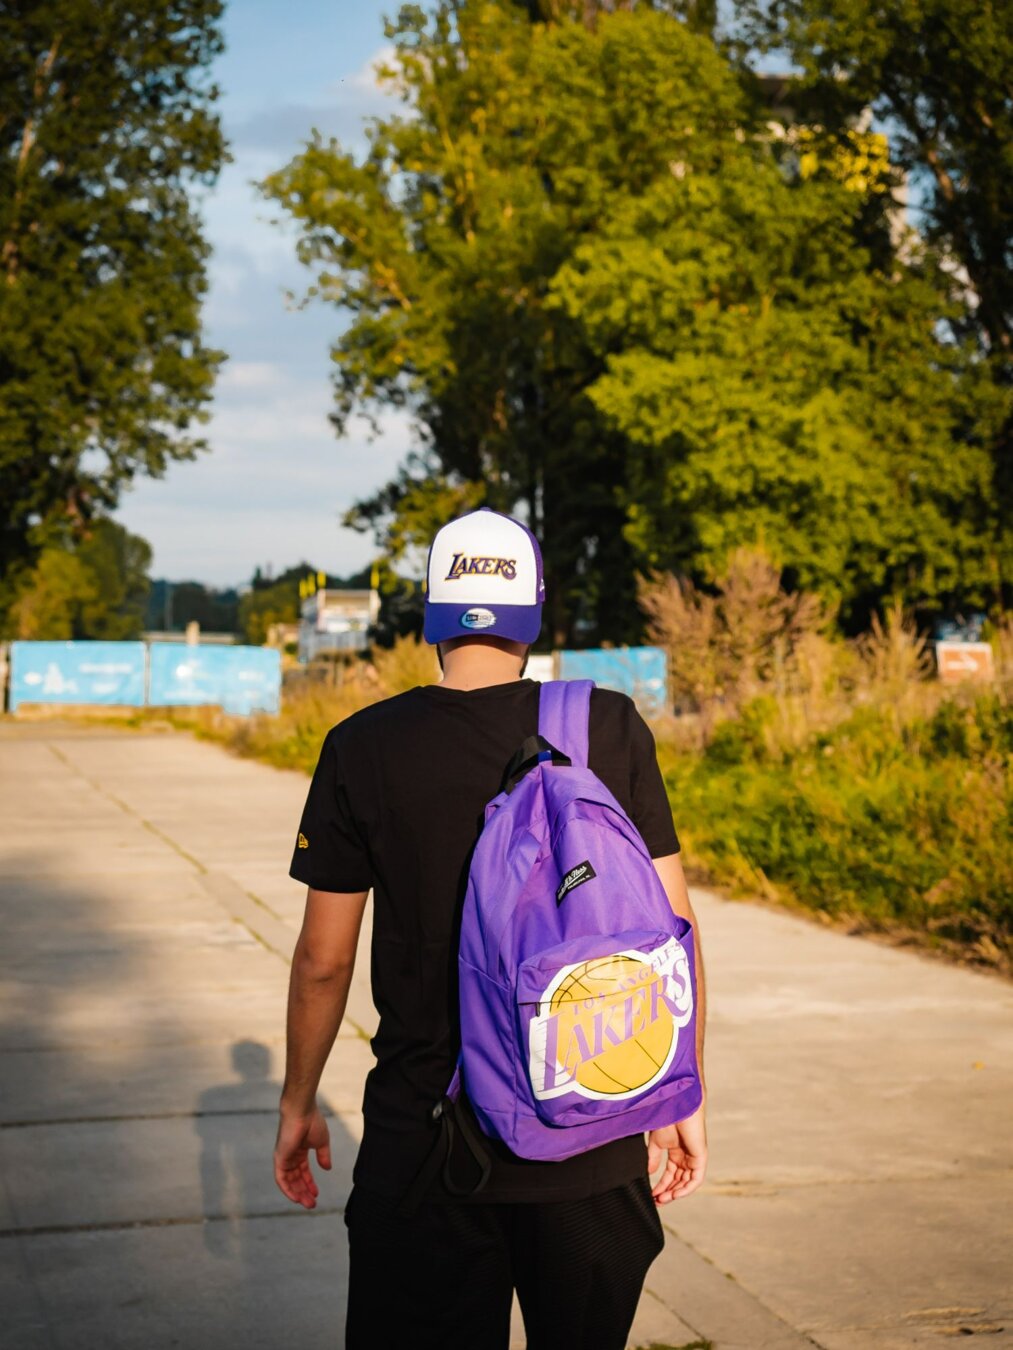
x,y
574,878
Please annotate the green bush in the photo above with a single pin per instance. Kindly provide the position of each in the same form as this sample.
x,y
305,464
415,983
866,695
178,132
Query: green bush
x,y
896,828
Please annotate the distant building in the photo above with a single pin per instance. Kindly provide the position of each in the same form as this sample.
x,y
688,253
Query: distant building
x,y
336,621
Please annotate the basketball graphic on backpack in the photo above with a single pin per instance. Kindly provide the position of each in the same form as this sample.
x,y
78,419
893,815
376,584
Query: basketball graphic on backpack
x,y
616,991
608,1027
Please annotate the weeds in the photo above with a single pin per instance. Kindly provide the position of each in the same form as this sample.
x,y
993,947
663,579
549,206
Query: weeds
x,y
837,775
897,830
817,772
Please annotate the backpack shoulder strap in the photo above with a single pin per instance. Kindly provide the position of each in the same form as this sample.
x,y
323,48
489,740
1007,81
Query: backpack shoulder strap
x,y
563,708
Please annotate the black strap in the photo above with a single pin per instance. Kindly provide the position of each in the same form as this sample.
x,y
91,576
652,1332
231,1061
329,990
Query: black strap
x,y
437,1157
529,752
450,1121
476,1147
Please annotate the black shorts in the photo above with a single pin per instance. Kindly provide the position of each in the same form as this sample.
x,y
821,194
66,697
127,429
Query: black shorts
x,y
443,1279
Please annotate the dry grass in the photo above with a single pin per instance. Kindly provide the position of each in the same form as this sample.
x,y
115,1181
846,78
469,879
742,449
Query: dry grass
x,y
838,775
749,640
829,774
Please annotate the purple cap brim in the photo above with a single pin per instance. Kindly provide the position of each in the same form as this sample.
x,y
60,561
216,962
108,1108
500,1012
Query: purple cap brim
x,y
520,623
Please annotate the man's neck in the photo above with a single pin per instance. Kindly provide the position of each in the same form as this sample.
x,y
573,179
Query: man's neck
x,y
476,665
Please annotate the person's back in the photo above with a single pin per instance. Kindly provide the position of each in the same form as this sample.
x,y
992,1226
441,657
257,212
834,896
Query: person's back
x,y
396,806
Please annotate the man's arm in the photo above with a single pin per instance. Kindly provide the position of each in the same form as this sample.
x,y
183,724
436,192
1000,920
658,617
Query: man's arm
x,y
673,878
322,966
682,1148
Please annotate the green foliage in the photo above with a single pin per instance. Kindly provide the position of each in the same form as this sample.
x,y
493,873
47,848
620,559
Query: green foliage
x,y
700,14
773,384
174,604
92,587
119,562
611,296
258,609
441,245
49,604
105,122
897,828
938,75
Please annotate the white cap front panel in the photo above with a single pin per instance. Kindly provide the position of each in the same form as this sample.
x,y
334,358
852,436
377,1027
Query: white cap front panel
x,y
483,558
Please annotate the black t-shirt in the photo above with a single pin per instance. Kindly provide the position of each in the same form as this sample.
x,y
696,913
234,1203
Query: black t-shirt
x,y
396,804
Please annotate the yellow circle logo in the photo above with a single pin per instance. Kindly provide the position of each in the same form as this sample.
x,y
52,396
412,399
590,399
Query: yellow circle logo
x,y
608,1027
607,1005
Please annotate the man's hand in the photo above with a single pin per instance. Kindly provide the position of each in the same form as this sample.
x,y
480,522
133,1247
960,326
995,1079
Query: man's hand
x,y
682,1148
297,1135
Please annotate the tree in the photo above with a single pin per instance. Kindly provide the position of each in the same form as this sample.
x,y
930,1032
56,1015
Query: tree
x,y
612,298
774,385
95,586
106,122
273,601
938,75
49,604
174,604
699,14
259,609
119,562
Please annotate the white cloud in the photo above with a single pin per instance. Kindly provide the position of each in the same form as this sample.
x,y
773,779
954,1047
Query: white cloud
x,y
254,375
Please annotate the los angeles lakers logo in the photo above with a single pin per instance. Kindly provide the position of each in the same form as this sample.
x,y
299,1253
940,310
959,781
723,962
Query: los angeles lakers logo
x,y
609,1028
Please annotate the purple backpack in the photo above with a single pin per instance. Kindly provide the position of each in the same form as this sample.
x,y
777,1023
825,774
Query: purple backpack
x,y
577,990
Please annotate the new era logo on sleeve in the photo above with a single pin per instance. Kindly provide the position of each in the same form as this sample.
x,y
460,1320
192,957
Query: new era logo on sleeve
x,y
574,878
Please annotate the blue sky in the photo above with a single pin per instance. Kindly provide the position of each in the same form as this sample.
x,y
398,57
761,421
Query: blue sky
x,y
277,479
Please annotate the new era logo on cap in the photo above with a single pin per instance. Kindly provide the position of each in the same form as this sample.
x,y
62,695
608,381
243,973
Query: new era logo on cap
x,y
484,576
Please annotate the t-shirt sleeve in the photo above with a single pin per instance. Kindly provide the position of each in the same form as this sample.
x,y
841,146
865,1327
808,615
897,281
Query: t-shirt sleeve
x,y
651,812
330,853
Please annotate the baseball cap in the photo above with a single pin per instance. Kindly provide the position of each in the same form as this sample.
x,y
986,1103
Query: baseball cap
x,y
484,576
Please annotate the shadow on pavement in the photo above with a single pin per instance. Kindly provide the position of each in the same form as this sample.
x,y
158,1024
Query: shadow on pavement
x,y
137,1124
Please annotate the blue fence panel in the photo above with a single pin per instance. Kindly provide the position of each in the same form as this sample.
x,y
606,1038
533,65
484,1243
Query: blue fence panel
x,y
640,672
254,683
238,679
77,672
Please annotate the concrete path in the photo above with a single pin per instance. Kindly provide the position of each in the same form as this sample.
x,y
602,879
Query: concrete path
x,y
860,1096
